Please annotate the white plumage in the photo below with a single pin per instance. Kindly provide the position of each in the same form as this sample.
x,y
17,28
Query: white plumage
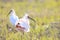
x,y
23,22
13,17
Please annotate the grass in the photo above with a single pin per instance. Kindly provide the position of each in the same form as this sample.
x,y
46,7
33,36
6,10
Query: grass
x,y
45,13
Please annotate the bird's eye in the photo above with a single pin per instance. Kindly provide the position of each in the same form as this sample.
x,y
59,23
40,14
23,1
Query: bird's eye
x,y
18,23
28,16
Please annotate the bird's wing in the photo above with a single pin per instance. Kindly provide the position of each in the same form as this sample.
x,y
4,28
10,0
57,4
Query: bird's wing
x,y
13,19
24,24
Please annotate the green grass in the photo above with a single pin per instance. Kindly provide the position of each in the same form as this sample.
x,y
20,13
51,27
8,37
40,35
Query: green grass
x,y
46,12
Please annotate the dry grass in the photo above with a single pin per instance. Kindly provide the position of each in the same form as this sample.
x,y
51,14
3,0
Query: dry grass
x,y
46,13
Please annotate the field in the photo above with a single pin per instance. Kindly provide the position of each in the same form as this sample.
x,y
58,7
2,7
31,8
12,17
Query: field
x,y
45,12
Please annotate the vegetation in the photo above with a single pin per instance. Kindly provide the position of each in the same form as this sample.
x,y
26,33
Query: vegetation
x,y
45,12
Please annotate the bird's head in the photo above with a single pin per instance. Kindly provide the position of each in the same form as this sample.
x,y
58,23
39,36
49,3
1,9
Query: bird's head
x,y
11,12
28,17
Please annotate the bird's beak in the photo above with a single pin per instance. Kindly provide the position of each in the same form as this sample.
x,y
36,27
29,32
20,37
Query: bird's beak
x,y
9,12
31,19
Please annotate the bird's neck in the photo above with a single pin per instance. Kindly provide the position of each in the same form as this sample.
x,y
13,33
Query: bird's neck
x,y
12,13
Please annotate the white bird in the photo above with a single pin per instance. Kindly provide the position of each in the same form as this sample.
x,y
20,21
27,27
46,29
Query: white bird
x,y
13,17
22,24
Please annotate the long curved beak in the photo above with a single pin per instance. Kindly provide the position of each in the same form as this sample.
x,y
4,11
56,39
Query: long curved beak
x,y
31,19
9,12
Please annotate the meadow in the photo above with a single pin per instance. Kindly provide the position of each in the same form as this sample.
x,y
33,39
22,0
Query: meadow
x,y
45,12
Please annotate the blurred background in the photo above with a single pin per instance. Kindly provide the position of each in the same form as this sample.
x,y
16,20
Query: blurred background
x,y
45,12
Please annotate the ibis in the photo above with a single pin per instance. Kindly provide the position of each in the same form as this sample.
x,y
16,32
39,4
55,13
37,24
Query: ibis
x,y
22,24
